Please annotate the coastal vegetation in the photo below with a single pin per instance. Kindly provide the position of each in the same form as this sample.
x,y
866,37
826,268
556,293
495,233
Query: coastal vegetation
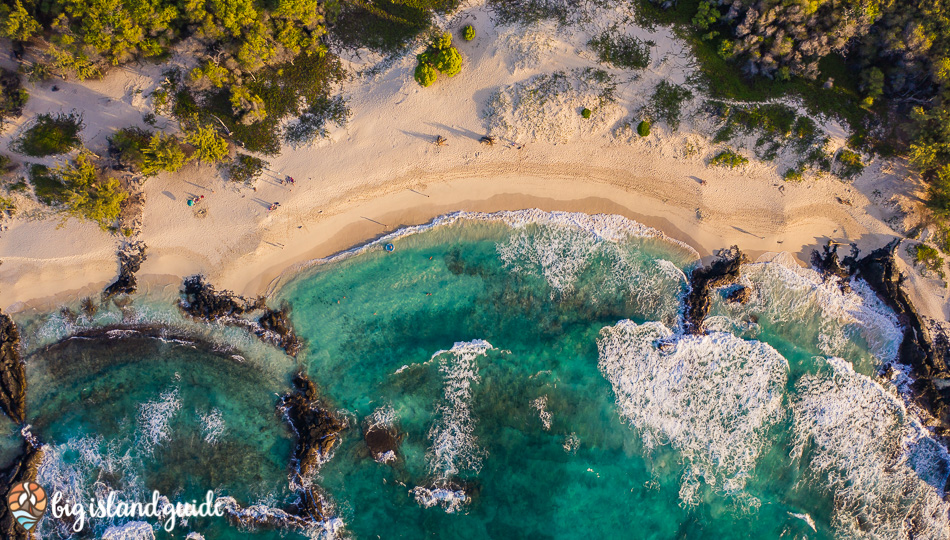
x,y
626,52
468,32
666,103
80,190
643,128
729,158
244,168
439,57
13,96
50,135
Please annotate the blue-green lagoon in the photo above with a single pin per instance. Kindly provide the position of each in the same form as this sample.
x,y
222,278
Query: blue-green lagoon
x,y
535,370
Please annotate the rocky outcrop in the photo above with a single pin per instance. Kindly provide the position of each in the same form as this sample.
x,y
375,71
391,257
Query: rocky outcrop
x,y
381,439
738,295
827,264
305,514
931,387
316,427
131,258
276,322
201,301
23,469
12,373
723,271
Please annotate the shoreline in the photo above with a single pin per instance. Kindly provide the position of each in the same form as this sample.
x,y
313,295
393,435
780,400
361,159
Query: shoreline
x,y
798,228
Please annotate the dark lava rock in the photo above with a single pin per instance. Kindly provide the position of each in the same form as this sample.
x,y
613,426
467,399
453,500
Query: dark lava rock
x,y
22,470
316,427
918,351
722,272
304,514
131,258
12,374
201,301
828,265
380,439
278,322
738,295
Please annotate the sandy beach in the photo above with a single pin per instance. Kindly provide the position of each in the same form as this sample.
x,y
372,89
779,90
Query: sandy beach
x,y
383,171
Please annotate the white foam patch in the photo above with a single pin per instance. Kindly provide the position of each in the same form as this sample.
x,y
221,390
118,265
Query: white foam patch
x,y
859,441
133,530
811,310
448,499
155,417
212,425
608,227
329,528
454,446
710,397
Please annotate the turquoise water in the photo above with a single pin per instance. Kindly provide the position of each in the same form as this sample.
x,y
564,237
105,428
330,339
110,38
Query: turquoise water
x,y
519,356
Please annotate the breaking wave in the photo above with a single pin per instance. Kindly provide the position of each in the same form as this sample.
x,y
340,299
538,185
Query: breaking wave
x,y
710,397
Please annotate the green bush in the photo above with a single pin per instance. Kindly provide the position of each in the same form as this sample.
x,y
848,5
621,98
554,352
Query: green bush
x,y
793,175
12,95
50,135
850,162
126,146
47,186
667,102
163,153
928,257
314,121
245,168
728,158
425,74
439,56
468,32
643,128
209,146
88,194
5,162
586,113
625,52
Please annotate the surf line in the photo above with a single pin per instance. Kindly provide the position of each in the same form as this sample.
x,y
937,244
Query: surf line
x,y
159,507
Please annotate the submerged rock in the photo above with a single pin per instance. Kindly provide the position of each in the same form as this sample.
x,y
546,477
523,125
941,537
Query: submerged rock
x,y
929,368
738,295
22,470
131,258
277,322
12,374
306,514
382,440
316,428
722,272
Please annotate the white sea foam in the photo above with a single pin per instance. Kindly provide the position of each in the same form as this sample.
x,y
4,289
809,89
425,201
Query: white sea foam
x,y
448,499
133,530
710,397
212,425
571,443
806,518
608,227
155,417
328,529
454,446
809,309
859,440
195,536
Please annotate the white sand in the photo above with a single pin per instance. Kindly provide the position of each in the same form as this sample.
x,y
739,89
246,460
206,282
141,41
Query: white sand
x,y
382,171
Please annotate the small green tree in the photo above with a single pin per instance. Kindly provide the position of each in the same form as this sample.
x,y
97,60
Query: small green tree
x,y
88,196
17,24
50,135
425,74
209,146
163,153
586,113
468,32
448,61
643,128
440,56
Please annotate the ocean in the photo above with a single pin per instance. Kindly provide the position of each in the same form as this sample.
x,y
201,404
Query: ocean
x,y
534,369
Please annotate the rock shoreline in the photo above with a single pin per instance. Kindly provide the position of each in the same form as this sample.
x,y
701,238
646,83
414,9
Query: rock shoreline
x,y
722,272
12,372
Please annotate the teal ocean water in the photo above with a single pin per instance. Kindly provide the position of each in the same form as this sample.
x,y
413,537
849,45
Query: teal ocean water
x,y
535,369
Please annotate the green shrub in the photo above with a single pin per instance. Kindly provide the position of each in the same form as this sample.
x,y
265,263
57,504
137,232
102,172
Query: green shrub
x,y
47,186
468,32
88,194
793,175
728,158
5,162
622,51
850,164
12,95
314,121
7,206
209,146
163,153
245,168
50,135
928,257
643,128
425,74
126,146
439,56
586,113
667,102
